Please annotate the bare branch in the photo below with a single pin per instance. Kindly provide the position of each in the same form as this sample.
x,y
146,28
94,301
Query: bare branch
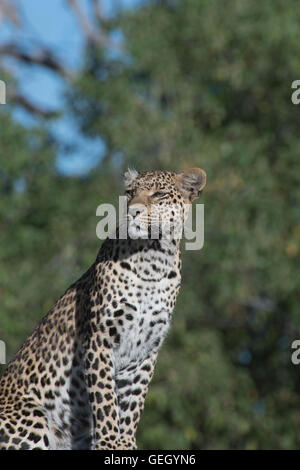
x,y
93,34
98,11
93,28
44,58
83,20
8,10
21,100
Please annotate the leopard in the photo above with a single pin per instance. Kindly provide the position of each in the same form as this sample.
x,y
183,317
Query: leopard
x,y
81,378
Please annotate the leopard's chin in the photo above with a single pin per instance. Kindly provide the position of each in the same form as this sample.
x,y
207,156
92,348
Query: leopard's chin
x,y
135,231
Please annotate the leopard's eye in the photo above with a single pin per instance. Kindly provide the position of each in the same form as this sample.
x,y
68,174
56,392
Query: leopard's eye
x,y
159,194
130,193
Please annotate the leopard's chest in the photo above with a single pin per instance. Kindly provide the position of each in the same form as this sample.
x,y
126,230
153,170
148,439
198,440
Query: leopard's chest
x,y
146,319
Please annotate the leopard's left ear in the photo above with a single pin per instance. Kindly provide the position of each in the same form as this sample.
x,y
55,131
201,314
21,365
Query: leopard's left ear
x,y
191,183
130,176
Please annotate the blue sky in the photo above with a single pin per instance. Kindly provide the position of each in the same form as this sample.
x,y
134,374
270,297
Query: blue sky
x,y
52,24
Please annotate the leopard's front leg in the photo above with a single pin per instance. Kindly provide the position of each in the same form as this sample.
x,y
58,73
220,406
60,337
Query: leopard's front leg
x,y
132,386
100,374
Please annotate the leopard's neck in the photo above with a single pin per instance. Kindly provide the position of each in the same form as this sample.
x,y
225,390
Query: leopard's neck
x,y
142,257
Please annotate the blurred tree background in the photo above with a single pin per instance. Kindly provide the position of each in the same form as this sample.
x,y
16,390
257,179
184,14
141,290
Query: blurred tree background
x,y
191,83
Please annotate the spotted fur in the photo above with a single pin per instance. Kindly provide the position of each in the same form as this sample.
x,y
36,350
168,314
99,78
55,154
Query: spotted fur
x,y
81,378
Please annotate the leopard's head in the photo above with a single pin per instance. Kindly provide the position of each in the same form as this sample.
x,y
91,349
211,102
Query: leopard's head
x,y
158,200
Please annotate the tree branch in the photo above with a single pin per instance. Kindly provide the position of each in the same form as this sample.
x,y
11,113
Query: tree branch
x,y
98,11
44,58
93,35
29,106
83,20
9,11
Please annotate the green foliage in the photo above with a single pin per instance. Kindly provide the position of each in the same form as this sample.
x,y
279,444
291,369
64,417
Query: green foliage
x,y
200,83
47,228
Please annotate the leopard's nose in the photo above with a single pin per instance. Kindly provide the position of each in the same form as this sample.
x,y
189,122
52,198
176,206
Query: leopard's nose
x,y
135,210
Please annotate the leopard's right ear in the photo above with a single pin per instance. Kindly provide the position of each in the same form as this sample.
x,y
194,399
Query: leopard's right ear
x,y
191,183
129,176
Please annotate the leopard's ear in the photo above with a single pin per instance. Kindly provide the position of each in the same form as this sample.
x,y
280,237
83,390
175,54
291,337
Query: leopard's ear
x,y
129,176
191,183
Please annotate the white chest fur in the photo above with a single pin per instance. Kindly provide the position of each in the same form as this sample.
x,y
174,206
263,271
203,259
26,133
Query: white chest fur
x,y
149,304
